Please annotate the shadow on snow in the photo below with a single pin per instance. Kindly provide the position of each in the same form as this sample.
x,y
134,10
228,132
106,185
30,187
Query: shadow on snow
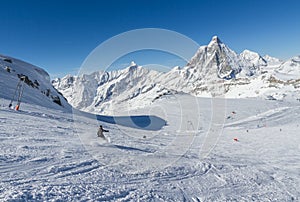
x,y
121,147
143,122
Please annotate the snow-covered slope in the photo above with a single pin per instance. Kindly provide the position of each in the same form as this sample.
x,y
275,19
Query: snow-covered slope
x,y
37,86
215,69
45,160
209,150
271,61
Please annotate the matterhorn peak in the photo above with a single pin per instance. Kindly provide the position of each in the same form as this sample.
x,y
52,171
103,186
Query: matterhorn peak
x,y
215,40
133,64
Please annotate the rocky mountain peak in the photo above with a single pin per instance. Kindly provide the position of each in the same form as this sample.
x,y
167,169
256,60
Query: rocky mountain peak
x,y
215,40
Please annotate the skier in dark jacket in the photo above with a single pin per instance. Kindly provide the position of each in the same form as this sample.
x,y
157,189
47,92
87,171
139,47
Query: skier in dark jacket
x,y
100,132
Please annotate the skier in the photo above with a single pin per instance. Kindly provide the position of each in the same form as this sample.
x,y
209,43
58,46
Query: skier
x,y
100,132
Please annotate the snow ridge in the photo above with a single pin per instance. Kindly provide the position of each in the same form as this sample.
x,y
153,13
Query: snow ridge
x,y
37,86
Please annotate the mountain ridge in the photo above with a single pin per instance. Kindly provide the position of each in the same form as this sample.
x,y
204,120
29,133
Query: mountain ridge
x,y
30,83
214,70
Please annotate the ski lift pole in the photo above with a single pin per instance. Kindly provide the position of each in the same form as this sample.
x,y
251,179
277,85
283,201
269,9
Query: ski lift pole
x,y
15,93
21,89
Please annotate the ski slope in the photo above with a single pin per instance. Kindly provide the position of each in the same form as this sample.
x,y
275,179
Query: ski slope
x,y
53,155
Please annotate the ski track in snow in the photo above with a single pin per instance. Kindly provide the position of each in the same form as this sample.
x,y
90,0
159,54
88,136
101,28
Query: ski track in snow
x,y
273,116
42,157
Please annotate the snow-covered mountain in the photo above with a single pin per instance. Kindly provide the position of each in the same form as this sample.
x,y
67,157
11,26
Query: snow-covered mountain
x,y
254,58
216,60
271,61
211,66
215,69
289,69
110,91
37,86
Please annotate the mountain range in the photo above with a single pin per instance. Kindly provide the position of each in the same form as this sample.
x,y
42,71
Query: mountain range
x,y
214,70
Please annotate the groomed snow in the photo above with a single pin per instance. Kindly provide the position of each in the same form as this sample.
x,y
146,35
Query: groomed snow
x,y
50,155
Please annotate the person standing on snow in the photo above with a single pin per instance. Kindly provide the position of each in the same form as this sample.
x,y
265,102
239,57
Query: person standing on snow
x,y
100,132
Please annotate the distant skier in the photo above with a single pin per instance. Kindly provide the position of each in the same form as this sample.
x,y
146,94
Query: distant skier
x,y
100,132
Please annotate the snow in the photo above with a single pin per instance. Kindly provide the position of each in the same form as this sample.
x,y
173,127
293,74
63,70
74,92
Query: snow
x,y
289,69
164,143
56,155
271,61
254,58
214,39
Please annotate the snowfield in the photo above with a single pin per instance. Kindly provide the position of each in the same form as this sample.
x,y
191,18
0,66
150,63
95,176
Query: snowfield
x,y
54,155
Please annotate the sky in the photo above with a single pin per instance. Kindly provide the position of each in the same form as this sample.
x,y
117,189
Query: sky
x,y
58,35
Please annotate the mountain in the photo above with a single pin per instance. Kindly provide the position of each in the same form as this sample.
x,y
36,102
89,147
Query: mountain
x,y
271,61
217,60
211,66
107,92
215,69
290,69
254,58
36,83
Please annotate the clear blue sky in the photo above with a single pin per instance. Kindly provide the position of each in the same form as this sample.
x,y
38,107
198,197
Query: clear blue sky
x,y
57,35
